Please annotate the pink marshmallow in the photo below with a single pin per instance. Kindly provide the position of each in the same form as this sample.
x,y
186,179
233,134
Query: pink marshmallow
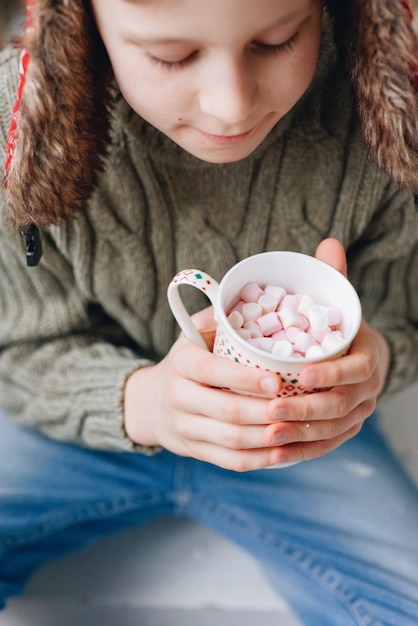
x,y
251,292
269,324
237,307
253,328
276,291
334,315
236,319
243,333
305,304
289,301
303,342
251,311
332,342
290,317
268,302
292,333
319,335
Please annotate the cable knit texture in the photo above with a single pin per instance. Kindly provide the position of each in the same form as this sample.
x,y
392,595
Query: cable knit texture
x,y
95,309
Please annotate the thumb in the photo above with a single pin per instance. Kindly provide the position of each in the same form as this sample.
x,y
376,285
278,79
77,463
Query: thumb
x,y
332,251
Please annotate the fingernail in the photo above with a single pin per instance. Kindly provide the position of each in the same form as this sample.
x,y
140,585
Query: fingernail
x,y
279,438
270,384
280,415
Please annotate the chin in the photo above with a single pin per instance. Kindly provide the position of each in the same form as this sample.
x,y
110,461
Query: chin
x,y
223,155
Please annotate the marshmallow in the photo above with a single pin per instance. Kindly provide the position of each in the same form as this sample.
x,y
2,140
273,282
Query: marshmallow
x,y
303,342
290,317
332,342
268,302
236,319
251,311
286,325
315,351
305,304
318,318
334,315
319,335
276,291
243,333
283,349
253,328
292,333
251,292
269,324
289,300
265,343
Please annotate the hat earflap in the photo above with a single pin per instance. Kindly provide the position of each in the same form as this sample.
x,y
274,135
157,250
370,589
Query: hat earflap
x,y
380,48
62,122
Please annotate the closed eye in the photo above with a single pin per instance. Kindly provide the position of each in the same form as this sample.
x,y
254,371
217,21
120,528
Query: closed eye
x,y
277,48
173,65
257,46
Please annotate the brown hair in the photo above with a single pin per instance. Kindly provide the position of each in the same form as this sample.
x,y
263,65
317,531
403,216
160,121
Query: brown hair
x,y
64,119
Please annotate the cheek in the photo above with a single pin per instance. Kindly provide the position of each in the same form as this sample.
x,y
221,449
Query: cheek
x,y
149,95
304,71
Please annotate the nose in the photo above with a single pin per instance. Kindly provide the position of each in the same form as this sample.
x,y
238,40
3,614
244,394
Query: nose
x,y
229,92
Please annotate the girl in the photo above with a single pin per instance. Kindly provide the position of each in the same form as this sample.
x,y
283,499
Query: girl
x,y
151,136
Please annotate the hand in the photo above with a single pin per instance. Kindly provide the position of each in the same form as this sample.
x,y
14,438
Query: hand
x,y
184,404
309,426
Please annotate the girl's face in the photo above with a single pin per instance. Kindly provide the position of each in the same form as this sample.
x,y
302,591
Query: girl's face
x,y
215,76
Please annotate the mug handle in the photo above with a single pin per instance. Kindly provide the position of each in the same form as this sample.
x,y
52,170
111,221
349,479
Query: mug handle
x,y
202,281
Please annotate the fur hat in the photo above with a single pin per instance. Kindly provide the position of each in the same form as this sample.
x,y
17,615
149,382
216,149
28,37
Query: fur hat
x,y
60,128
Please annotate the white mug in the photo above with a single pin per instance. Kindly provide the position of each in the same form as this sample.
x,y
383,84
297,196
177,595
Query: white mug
x,y
298,274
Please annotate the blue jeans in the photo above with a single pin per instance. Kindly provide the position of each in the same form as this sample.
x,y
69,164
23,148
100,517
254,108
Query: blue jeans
x,y
337,535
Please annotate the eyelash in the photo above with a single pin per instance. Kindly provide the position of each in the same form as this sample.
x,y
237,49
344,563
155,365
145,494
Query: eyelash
x,y
258,47
172,65
286,46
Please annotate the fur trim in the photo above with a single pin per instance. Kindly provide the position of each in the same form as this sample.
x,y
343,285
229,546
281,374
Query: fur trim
x,y
380,48
63,123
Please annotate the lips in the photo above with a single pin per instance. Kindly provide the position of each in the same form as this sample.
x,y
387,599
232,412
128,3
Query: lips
x,y
226,139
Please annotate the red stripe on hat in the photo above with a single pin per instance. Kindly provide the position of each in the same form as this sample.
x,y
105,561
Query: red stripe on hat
x,y
408,8
23,70
11,142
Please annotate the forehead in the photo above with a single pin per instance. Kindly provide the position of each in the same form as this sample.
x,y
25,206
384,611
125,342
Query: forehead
x,y
242,11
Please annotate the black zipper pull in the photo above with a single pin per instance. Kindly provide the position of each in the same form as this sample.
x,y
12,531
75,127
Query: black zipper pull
x,y
33,245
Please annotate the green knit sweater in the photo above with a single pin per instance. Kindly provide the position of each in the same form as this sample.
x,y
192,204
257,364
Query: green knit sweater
x,y
95,309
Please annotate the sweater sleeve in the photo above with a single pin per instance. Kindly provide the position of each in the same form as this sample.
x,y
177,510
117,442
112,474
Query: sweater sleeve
x,y
63,365
63,361
384,269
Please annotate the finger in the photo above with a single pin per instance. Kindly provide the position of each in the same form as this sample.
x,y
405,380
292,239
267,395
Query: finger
x,y
355,367
334,403
295,452
235,460
198,428
321,430
221,405
332,251
206,325
204,319
209,369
